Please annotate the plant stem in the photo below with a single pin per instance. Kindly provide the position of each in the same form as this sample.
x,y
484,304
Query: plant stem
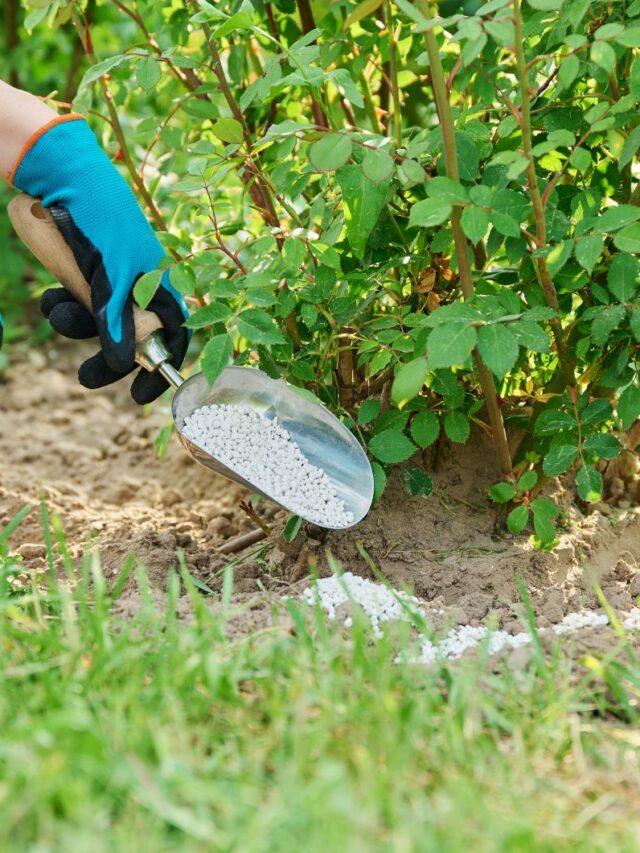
x,y
393,74
83,33
540,263
252,177
443,107
12,38
308,23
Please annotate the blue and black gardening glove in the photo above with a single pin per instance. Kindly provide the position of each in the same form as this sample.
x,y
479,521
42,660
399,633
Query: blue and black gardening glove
x,y
113,244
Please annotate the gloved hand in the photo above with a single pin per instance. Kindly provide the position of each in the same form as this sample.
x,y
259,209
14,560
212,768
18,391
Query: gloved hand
x,y
96,213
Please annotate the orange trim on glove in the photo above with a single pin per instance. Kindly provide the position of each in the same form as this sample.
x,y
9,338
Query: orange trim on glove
x,y
31,141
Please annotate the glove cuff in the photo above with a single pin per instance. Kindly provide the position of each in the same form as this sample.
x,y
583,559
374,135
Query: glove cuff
x,y
40,132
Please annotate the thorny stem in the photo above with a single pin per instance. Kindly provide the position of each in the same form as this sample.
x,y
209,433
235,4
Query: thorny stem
x,y
540,263
83,33
439,86
393,74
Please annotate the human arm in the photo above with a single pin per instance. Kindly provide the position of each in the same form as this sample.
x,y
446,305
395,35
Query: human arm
x,y
58,160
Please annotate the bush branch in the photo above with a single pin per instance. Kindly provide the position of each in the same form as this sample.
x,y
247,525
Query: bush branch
x,y
443,107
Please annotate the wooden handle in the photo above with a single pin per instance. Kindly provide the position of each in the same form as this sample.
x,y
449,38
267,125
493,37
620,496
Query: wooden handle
x,y
37,230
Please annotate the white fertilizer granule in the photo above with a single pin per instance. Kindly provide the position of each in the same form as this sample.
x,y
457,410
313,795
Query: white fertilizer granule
x,y
263,452
381,604
378,602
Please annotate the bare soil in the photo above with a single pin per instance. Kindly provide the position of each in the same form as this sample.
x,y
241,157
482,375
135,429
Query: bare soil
x,y
91,456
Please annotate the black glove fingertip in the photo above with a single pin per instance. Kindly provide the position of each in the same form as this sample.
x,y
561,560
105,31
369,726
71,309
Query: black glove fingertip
x,y
96,373
72,320
147,387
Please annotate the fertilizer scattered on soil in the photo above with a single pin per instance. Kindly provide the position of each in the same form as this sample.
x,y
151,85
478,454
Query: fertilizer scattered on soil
x,y
382,604
263,452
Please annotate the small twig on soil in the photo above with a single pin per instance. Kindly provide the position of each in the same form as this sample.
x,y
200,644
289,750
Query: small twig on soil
x,y
246,507
243,541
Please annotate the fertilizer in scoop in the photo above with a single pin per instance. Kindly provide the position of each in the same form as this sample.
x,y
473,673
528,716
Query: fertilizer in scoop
x,y
263,452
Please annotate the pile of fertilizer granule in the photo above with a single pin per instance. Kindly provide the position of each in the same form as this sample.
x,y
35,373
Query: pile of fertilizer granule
x,y
262,451
381,604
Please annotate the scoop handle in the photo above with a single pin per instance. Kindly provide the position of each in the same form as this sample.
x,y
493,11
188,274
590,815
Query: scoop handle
x,y
37,230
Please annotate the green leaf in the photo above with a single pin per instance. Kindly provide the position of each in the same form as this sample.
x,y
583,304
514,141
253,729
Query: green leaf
x,y
589,484
457,427
183,279
631,145
588,250
605,322
342,79
145,287
216,312
544,513
450,344
258,327
392,446
100,68
553,421
502,493
603,55
580,159
242,20
410,173
475,222
602,445
511,203
368,412
362,10
559,459
505,224
629,37
628,239
408,381
417,482
430,212
629,406
200,109
162,439
517,519
380,360
425,428
634,323
569,70
292,528
379,480
596,412
527,481
622,277
228,130
35,16
447,189
294,252
215,356
618,217
378,166
331,152
531,336
148,73
498,347
363,203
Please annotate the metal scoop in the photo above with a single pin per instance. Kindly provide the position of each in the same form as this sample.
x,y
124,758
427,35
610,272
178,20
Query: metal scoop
x,y
321,437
